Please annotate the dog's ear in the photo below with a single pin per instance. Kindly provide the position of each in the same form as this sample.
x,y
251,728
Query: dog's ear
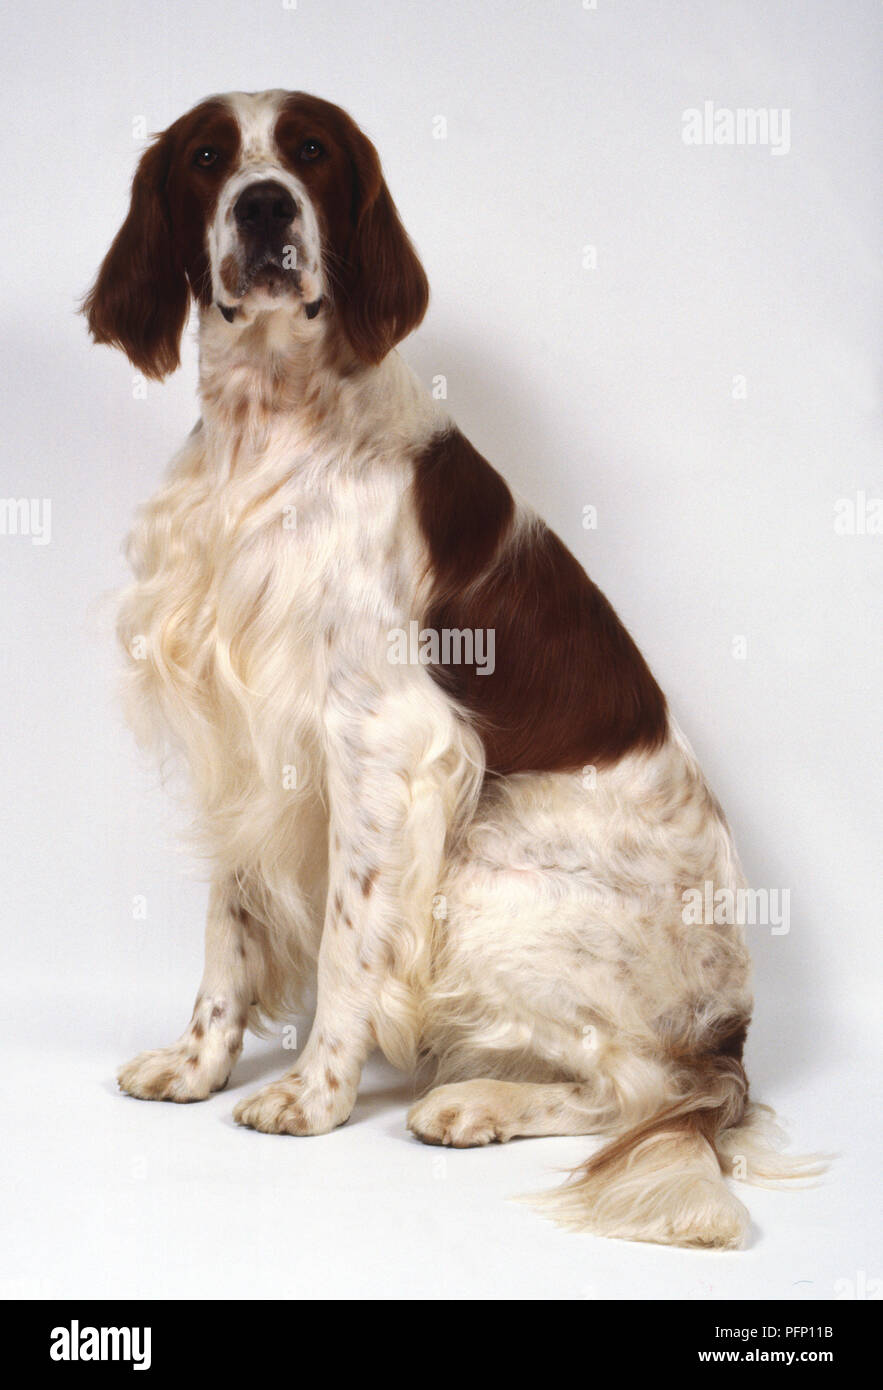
x,y
141,298
383,291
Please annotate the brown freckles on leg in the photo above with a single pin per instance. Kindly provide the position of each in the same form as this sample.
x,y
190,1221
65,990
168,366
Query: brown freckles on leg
x,y
201,1060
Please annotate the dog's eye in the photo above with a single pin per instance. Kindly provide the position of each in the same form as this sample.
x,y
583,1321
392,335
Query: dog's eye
x,y
309,150
205,157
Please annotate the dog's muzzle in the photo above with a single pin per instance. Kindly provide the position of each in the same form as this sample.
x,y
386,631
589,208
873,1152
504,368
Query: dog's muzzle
x,y
264,213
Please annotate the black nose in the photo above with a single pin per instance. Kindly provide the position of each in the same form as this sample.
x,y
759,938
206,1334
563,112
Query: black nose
x,y
264,208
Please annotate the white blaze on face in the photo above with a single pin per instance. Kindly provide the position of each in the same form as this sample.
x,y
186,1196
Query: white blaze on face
x,y
260,159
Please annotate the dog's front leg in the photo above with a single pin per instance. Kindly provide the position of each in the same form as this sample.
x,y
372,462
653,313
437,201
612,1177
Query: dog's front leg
x,y
392,783
201,1060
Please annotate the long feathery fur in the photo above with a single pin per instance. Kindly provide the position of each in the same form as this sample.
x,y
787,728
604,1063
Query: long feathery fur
x,y
481,870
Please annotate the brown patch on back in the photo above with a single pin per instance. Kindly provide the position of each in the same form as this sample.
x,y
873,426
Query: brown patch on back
x,y
569,686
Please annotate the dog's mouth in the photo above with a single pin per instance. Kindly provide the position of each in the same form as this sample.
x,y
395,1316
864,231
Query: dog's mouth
x,y
269,274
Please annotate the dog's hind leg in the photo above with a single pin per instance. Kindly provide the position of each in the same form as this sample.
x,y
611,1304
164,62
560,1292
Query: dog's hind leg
x,y
465,1114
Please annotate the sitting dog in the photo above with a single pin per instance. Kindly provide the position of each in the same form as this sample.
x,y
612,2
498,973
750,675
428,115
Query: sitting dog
x,y
435,777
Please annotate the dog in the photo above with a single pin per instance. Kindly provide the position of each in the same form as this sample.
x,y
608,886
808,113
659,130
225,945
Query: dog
x,y
435,779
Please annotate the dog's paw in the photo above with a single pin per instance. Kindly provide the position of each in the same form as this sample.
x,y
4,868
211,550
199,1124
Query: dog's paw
x,y
181,1073
293,1106
463,1116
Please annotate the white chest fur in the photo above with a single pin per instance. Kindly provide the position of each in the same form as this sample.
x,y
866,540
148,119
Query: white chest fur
x,y
260,576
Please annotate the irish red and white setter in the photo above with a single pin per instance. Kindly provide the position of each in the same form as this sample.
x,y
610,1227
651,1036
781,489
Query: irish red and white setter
x,y
436,779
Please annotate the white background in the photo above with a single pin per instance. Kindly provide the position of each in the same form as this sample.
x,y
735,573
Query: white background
x,y
610,387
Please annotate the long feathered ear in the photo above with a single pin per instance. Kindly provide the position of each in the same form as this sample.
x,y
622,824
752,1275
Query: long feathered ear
x,y
384,290
141,298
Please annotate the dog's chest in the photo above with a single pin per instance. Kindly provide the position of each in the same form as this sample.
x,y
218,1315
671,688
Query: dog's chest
x,y
258,591
318,563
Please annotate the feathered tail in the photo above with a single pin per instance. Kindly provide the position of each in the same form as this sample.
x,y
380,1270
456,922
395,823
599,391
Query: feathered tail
x,y
663,1179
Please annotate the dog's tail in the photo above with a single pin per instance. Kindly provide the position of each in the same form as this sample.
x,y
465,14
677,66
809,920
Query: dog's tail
x,y
663,1179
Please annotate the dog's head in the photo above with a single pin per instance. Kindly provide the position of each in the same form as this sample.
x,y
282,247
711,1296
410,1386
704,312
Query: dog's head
x,y
257,202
